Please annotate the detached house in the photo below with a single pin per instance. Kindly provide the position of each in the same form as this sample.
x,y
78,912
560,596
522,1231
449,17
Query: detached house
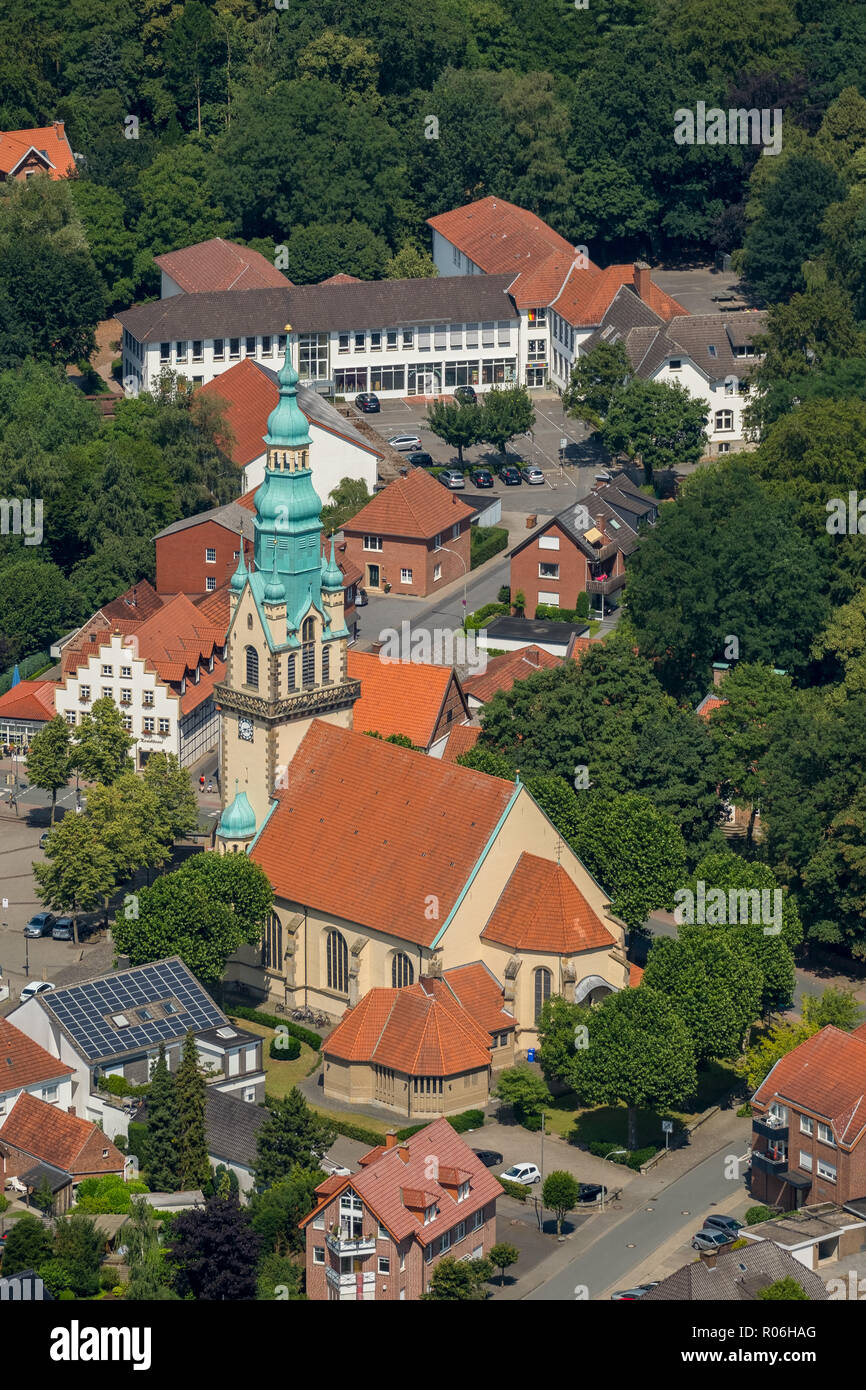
x,y
412,537
40,150
42,1144
378,1234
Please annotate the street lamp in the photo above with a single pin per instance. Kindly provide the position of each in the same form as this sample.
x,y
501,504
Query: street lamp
x,y
463,563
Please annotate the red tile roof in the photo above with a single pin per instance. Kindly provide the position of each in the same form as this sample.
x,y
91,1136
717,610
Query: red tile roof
x,y
398,697
503,671
500,237
49,140
827,1075
409,826
416,507
462,739
177,637
420,1030
23,1061
635,975
391,1186
33,700
220,265
341,279
708,704
196,694
56,1137
586,295
139,602
541,909
481,994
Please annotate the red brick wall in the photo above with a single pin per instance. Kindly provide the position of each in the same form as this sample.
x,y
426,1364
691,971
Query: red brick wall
x,y
574,571
850,1164
417,555
181,567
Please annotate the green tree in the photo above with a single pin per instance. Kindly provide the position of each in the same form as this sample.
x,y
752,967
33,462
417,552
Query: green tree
x,y
345,501
595,379
190,1091
112,245
715,990
37,603
502,1256
352,64
277,1211
163,1134
558,1025
292,1134
786,1290
79,1247
655,422
743,728
525,1092
458,1281
788,230
632,848
410,263
27,1246
281,1278
503,414
127,818
759,1059
320,250
456,423
215,1252
190,51
48,759
149,1273
639,1052
100,751
560,1192
176,803
78,871
839,1007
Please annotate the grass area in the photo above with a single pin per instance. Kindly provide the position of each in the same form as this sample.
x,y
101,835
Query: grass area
x,y
280,1077
354,1117
609,1123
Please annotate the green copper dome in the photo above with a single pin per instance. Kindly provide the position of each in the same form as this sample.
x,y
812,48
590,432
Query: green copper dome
x,y
273,590
238,821
332,579
287,423
239,578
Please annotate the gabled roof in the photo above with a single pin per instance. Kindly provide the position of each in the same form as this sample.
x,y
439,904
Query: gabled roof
x,y
542,909
503,671
251,392
48,141
499,236
395,1184
23,1062
587,294
399,697
737,1276
604,519
827,1075
232,1126
33,700
177,637
708,704
408,826
341,279
220,265
651,338
56,1137
420,1030
414,507
461,739
481,994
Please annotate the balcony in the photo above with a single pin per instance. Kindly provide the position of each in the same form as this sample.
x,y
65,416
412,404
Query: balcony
x,y
352,1286
771,1128
774,1162
341,1243
605,586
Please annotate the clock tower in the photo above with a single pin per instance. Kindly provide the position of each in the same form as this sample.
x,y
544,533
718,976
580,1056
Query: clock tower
x,y
287,637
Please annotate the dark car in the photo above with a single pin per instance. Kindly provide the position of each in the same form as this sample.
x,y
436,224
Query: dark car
x,y
40,924
419,459
591,1192
489,1157
510,476
465,394
368,402
63,929
481,477
718,1222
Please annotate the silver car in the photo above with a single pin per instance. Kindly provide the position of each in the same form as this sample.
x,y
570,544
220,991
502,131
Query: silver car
x,y
452,477
711,1240
530,473
405,443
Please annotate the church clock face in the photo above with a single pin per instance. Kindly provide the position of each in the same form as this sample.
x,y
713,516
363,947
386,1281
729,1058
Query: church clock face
x,y
245,729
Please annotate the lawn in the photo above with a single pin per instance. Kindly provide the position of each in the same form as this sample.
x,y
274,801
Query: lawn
x,y
608,1123
280,1076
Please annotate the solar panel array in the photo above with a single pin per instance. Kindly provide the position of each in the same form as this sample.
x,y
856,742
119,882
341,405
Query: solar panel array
x,y
82,1009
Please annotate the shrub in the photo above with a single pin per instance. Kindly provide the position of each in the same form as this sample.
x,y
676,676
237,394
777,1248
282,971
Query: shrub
x,y
482,615
504,595
116,1085
349,1131
744,1111
582,608
4,1202
755,1215
284,1049
273,1021
466,1120
107,1278
485,541
514,1189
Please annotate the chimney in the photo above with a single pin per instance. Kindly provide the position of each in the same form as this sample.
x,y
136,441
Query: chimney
x,y
709,1257
58,126
531,656
403,1151
642,280
720,670
391,1139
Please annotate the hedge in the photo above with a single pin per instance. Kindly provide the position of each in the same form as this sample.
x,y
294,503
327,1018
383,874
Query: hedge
x,y
349,1131
466,1120
481,616
272,1021
552,614
514,1189
484,542
285,1049
117,1085
635,1159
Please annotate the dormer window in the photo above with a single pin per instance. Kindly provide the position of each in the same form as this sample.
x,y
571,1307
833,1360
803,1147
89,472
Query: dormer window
x,y
429,1215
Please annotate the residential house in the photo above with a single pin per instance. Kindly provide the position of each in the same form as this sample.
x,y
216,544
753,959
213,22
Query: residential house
x,y
815,1235
25,709
378,1234
217,265
27,1067
39,150
808,1121
113,1025
412,537
413,698
422,1047
39,1141
503,671
736,1276
232,1127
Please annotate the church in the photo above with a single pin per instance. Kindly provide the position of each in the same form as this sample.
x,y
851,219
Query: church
x,y
388,866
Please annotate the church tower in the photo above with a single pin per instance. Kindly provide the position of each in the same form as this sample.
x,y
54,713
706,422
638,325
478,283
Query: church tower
x,y
287,637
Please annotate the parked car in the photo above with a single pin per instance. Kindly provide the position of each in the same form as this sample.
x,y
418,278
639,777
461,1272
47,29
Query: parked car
x,y
531,473
420,459
510,475
629,1295
711,1240
360,597
489,1157
40,924
481,477
368,402
37,987
63,930
525,1173
729,1224
467,394
43,838
591,1192
405,443
452,477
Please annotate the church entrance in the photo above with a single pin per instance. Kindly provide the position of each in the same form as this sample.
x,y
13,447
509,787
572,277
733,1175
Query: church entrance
x,y
373,576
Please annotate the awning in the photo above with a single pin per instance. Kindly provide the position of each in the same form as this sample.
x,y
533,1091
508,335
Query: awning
x,y
796,1180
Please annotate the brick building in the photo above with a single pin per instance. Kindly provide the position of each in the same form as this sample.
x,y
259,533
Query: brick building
x,y
809,1118
423,702
378,1234
41,150
413,537
40,1142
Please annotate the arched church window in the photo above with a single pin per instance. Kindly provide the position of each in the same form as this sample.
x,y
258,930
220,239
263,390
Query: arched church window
x,y
338,963
308,653
290,671
272,943
252,666
402,972
543,981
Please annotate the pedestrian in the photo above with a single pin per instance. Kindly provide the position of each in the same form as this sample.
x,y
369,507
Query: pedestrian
x,y
201,782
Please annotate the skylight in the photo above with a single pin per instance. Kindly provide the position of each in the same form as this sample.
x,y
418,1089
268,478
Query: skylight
x,y
120,1020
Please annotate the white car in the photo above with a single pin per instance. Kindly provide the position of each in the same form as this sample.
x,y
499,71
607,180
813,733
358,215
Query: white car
x,y
531,474
37,987
405,443
525,1173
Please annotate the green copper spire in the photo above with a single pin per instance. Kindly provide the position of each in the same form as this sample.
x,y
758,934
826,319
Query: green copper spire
x,y
274,591
287,423
238,821
332,579
239,578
